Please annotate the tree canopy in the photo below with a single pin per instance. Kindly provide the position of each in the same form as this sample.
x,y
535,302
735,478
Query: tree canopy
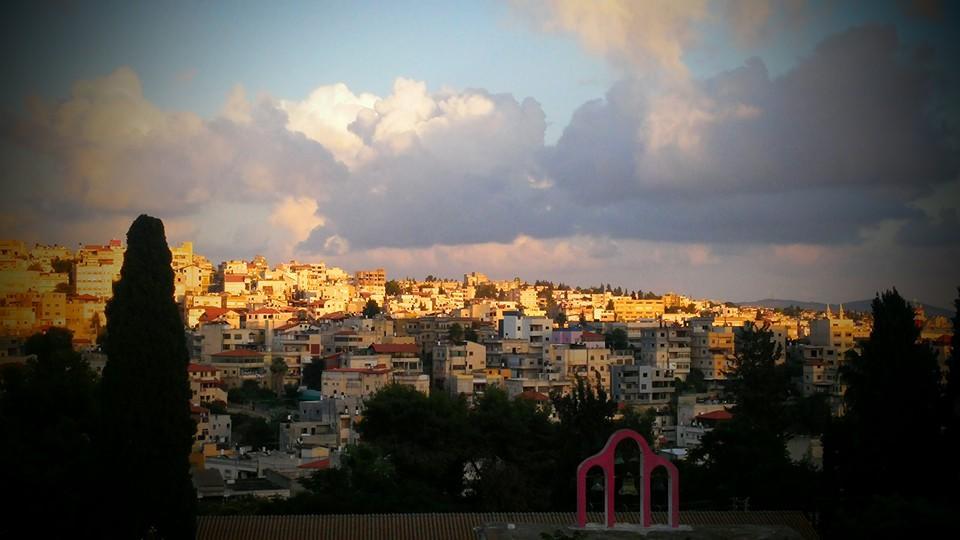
x,y
48,414
371,309
147,430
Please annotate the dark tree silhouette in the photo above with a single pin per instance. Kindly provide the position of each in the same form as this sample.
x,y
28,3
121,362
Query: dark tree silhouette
x,y
371,309
455,333
47,421
147,430
892,400
951,402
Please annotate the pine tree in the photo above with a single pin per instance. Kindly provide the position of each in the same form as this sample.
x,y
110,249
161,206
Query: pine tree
x,y
147,431
892,401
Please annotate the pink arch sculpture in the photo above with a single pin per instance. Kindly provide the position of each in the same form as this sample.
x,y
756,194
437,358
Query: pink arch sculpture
x,y
605,460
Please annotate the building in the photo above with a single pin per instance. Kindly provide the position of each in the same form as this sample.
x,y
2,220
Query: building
x,y
457,358
825,352
205,384
667,348
97,268
238,365
628,309
355,382
712,349
641,385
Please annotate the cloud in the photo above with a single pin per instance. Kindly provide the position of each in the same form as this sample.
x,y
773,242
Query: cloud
x,y
297,216
840,142
325,116
108,151
799,170
636,35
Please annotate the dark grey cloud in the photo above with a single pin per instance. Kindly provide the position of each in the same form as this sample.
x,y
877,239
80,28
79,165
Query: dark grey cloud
x,y
925,231
841,142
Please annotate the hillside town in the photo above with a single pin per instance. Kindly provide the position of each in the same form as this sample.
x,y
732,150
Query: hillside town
x,y
297,349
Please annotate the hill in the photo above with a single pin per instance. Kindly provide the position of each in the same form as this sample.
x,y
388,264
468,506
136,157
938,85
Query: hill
x,y
856,305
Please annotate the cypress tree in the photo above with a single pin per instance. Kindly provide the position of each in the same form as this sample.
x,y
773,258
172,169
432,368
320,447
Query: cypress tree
x,y
147,431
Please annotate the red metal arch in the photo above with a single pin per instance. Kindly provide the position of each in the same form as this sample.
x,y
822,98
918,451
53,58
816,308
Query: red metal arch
x,y
605,460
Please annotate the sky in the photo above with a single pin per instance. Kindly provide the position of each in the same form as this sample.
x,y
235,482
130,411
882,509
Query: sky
x,y
737,150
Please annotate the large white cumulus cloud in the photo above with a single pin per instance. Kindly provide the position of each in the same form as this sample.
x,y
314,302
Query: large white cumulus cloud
x,y
837,146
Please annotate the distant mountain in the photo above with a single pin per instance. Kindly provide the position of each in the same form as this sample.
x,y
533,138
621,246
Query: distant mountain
x,y
856,305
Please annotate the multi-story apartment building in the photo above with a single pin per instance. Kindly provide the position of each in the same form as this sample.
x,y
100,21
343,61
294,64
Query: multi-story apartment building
x,y
536,330
641,384
572,361
711,348
238,365
825,352
667,348
452,358
355,382
629,309
97,268
205,384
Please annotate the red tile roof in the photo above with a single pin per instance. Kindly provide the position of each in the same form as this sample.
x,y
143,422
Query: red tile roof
x,y
197,368
715,415
234,278
319,464
591,336
533,395
236,353
211,313
392,348
369,371
458,526
265,311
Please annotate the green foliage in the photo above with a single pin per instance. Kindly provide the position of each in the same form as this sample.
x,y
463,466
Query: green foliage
x,y
217,407
62,266
486,290
393,288
250,392
423,435
312,374
616,339
759,385
586,421
510,448
371,309
253,431
746,458
455,333
893,366
469,334
147,430
695,383
48,414
278,370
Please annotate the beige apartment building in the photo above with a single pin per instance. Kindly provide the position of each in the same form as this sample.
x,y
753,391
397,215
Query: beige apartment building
x,y
354,382
712,351
450,359
627,309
